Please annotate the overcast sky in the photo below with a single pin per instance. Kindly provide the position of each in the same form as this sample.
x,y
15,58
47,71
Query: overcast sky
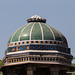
x,y
59,13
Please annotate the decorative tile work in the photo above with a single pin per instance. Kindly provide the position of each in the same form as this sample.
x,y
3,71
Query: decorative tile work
x,y
38,47
22,42
31,42
43,59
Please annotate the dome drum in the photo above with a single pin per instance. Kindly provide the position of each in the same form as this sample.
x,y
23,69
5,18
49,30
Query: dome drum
x,y
37,45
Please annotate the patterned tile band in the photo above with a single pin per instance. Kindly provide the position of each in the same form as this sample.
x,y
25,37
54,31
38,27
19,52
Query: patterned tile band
x,y
43,59
38,47
33,42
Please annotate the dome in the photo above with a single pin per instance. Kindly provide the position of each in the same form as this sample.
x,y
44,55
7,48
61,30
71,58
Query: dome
x,y
37,44
37,29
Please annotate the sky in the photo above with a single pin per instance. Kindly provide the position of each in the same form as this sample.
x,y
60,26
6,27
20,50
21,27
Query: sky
x,y
59,13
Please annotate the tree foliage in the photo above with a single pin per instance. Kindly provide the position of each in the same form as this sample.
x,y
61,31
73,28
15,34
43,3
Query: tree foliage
x,y
1,63
74,66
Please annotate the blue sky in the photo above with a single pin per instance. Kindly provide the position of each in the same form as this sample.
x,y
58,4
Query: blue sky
x,y
59,14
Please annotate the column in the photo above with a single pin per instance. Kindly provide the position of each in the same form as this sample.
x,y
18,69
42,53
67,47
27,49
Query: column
x,y
29,71
4,73
54,71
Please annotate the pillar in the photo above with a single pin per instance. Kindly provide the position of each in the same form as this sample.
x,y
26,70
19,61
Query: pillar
x,y
4,73
29,71
54,71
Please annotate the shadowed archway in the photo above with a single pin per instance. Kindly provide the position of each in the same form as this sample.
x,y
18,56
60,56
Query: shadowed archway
x,y
42,71
21,71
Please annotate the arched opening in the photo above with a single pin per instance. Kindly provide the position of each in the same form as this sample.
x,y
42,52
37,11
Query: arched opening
x,y
42,71
21,71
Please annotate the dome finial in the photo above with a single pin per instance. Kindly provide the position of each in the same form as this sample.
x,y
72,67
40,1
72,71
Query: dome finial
x,y
36,18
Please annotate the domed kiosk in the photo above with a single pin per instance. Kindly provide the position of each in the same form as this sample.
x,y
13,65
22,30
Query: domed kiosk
x,y
37,49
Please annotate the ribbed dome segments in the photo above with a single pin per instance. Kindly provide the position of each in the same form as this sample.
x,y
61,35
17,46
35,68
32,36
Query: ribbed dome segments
x,y
25,35
41,31
11,39
47,32
22,31
37,31
31,30
57,36
51,31
58,32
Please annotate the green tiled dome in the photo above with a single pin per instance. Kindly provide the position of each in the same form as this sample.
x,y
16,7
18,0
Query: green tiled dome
x,y
37,29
